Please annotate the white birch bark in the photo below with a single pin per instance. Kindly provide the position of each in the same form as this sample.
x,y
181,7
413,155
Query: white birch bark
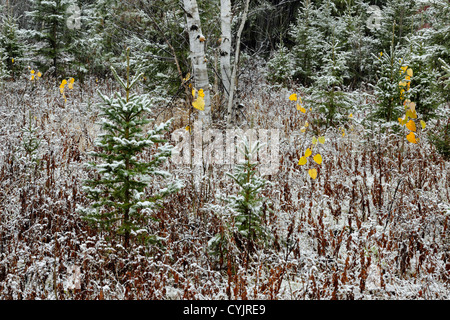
x,y
225,46
236,60
197,55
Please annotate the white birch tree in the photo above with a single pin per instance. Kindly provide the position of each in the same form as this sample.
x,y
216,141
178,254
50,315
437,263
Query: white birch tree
x,y
198,57
236,62
225,46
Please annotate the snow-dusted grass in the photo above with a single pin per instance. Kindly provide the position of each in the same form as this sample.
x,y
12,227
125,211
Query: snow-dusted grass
x,y
345,235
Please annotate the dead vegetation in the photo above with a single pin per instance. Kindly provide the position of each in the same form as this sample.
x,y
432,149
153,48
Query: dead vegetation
x,y
373,225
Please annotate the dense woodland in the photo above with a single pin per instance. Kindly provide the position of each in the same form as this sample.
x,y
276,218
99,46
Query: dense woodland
x,y
99,101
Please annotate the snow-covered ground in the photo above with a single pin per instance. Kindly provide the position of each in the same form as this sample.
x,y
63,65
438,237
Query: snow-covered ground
x,y
346,234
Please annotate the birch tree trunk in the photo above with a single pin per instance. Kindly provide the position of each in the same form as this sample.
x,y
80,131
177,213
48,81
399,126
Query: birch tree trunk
x,y
236,61
197,55
225,46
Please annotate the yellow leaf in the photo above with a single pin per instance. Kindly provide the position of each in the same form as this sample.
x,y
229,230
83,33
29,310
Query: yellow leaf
x,y
64,82
423,124
70,85
12,60
302,161
409,72
200,93
199,104
411,125
39,74
312,173
188,128
32,77
293,97
314,140
318,158
404,68
411,137
61,90
32,71
350,115
401,121
193,92
322,140
306,123
308,152
71,80
303,129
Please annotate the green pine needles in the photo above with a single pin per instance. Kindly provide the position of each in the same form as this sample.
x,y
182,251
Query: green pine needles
x,y
121,203
243,215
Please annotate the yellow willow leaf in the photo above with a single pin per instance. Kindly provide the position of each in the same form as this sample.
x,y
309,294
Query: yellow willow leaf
x,y
303,129
71,80
200,93
32,77
61,90
312,173
408,78
199,104
411,114
409,72
306,124
64,82
308,152
314,140
322,140
318,158
32,71
350,115
70,85
188,128
411,125
423,124
400,120
12,60
411,137
193,92
404,68
293,97
39,74
402,84
302,161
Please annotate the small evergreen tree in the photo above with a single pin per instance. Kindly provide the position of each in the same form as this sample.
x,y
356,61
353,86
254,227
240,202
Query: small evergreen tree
x,y
327,91
391,89
425,91
244,212
50,34
13,44
281,66
120,202
307,37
